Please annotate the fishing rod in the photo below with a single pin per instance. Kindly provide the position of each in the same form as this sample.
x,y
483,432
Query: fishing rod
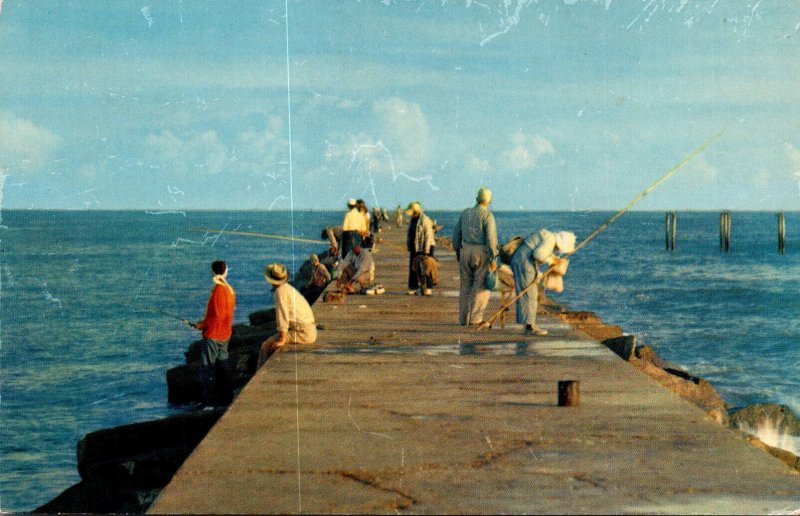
x,y
261,235
163,312
603,226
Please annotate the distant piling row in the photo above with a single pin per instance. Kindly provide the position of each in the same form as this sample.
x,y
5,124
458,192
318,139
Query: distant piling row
x,y
725,231
671,231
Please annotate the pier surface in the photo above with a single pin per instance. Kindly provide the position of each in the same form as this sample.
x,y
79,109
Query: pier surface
x,y
398,409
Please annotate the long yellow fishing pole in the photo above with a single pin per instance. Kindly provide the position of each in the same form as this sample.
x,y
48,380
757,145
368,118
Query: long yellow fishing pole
x,y
261,235
603,226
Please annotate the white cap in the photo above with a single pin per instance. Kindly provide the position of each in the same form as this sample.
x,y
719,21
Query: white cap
x,y
565,241
351,203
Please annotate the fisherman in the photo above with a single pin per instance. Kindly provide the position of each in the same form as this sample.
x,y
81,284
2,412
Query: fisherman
x,y
354,229
362,208
294,318
420,241
376,220
356,271
475,243
398,216
214,375
333,234
537,249
318,280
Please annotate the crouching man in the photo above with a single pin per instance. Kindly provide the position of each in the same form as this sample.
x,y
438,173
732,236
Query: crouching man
x,y
293,316
356,271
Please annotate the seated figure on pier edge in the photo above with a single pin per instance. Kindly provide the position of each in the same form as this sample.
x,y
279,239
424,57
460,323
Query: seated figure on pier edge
x,y
294,319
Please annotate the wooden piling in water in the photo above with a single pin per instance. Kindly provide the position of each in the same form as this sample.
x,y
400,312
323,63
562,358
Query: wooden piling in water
x,y
670,230
725,231
781,233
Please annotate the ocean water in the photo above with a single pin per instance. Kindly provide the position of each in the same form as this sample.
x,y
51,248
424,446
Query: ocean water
x,y
83,345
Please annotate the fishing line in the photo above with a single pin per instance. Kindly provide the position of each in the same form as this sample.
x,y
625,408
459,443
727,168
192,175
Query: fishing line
x,y
603,226
263,235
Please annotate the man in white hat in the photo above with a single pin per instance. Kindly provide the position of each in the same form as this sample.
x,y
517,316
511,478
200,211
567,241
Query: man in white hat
x,y
475,243
420,241
293,316
354,228
537,249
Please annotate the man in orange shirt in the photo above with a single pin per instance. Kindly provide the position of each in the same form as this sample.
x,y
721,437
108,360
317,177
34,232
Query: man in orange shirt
x,y
217,329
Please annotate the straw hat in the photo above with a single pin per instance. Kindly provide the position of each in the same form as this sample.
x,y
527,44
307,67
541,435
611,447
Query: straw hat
x,y
413,207
276,273
484,195
565,241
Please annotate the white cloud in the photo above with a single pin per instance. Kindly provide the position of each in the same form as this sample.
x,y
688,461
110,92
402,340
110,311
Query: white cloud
x,y
701,171
404,130
793,155
201,153
476,164
398,144
205,152
25,147
525,151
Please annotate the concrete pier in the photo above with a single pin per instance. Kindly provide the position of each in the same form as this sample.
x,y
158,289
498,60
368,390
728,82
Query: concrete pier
x,y
398,409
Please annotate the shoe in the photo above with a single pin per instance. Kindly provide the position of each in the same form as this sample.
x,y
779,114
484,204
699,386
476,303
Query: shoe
x,y
427,292
535,330
412,292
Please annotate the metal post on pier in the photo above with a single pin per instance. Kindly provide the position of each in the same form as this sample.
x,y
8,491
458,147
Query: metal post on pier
x,y
781,233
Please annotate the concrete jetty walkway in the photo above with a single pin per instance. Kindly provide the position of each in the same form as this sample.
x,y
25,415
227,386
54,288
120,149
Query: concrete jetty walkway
x,y
398,409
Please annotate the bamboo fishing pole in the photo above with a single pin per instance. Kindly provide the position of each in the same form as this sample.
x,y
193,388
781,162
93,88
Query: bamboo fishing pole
x,y
603,226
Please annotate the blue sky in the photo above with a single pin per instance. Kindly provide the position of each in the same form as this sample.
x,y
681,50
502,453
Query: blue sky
x,y
554,104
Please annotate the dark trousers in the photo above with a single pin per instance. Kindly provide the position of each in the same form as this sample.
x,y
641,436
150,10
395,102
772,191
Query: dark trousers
x,y
350,239
214,373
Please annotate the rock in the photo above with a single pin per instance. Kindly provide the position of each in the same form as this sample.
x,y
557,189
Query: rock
x,y
123,469
788,457
623,346
693,389
143,454
260,317
100,498
590,324
780,418
648,354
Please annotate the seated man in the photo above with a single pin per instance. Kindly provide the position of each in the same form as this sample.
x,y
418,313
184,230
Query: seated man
x,y
318,278
293,316
356,271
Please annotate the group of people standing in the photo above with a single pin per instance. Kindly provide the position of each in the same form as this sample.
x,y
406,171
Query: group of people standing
x,y
476,246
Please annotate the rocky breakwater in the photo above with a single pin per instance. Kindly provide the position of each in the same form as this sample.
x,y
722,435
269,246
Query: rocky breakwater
x,y
770,427
123,469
